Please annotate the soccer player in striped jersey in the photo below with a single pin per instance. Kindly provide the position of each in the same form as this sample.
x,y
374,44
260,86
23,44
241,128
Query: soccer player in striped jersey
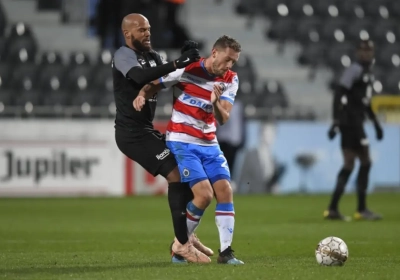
x,y
204,93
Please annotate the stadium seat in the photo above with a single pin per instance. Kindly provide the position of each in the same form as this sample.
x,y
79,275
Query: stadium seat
x,y
21,29
103,79
312,54
333,30
28,97
106,99
394,9
360,29
308,31
79,77
392,83
21,49
351,9
2,49
79,58
389,56
385,32
275,9
5,71
377,9
273,95
249,7
6,96
51,57
247,76
281,29
3,20
24,77
301,8
51,77
85,97
55,98
326,9
105,57
339,56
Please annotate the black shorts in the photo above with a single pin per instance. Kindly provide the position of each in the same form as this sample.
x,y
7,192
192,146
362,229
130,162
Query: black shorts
x,y
149,150
353,138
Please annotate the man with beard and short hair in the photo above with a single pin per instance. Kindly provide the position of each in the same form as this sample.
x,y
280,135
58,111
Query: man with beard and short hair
x,y
134,65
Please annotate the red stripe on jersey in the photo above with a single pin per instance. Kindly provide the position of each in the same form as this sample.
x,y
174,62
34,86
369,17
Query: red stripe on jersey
x,y
195,112
224,214
183,128
194,90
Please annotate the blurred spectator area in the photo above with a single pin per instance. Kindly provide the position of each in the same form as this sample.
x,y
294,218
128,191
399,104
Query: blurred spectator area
x,y
327,31
35,82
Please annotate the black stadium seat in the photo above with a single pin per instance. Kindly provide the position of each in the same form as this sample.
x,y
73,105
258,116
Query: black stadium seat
x,y
21,49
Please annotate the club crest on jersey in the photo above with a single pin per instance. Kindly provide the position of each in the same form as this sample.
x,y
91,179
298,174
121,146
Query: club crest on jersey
x,y
223,86
185,172
152,63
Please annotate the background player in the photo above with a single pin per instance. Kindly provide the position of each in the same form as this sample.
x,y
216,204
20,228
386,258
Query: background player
x,y
134,65
352,101
205,92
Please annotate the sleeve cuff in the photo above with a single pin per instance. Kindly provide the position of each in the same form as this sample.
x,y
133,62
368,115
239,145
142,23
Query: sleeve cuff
x,y
161,82
227,99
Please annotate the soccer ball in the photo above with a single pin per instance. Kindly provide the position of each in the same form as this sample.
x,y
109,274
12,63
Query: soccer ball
x,y
331,251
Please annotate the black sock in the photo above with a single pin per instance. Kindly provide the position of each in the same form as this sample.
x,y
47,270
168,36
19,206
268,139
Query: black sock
x,y
342,179
362,185
179,194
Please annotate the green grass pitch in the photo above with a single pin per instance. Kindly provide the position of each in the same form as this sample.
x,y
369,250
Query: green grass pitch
x,y
128,238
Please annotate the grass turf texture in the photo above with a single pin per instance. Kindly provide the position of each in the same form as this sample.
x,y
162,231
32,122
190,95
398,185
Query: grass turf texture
x,y
128,238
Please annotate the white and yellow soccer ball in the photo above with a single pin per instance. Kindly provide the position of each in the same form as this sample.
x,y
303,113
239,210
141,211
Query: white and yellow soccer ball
x,y
332,251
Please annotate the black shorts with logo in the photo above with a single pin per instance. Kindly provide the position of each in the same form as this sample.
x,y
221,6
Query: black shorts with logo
x,y
353,137
149,150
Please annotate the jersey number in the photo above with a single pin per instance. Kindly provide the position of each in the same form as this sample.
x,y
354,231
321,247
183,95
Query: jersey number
x,y
225,163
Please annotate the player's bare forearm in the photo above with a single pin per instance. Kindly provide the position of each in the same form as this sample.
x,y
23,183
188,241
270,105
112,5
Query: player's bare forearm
x,y
221,113
150,89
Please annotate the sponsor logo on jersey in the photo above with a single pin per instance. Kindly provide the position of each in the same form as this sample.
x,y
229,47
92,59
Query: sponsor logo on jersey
x,y
196,102
163,155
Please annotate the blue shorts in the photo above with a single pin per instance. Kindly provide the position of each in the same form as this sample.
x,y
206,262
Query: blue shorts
x,y
197,163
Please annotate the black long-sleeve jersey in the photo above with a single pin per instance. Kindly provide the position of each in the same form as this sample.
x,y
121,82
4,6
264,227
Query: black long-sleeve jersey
x,y
131,71
352,100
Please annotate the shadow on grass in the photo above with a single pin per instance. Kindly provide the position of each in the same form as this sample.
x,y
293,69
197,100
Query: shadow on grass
x,y
57,270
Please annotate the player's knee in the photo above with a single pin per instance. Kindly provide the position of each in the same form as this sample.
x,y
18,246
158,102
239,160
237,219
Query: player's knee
x,y
173,176
349,164
223,191
203,194
207,196
366,161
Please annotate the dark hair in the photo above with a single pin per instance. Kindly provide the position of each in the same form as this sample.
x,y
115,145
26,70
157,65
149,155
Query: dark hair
x,y
225,41
364,44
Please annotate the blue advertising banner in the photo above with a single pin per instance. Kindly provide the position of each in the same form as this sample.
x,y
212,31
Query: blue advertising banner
x,y
283,143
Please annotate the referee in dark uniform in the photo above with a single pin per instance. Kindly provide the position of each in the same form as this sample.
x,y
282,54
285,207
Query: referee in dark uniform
x,y
352,102
133,66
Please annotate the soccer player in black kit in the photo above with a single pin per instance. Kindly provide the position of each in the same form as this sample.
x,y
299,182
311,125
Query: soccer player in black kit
x,y
350,106
134,65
